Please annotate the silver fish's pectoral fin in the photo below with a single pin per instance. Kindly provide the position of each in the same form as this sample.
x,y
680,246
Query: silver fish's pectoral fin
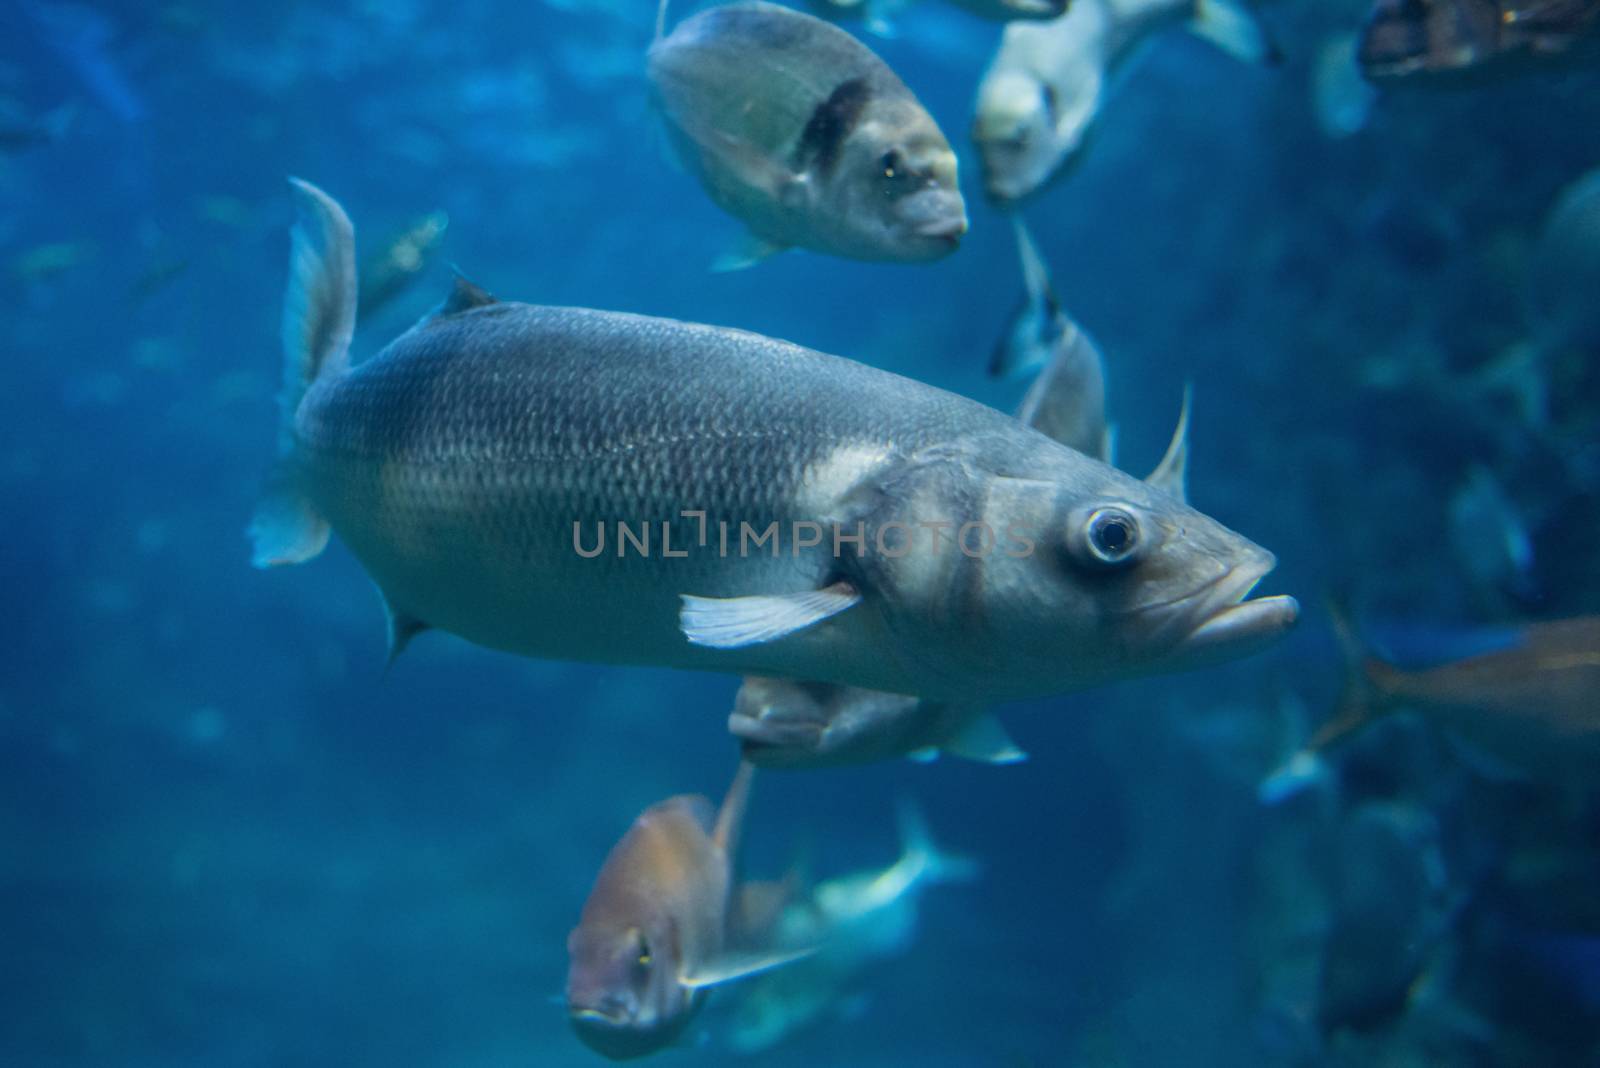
x,y
1172,473
734,622
735,966
749,252
984,739
926,755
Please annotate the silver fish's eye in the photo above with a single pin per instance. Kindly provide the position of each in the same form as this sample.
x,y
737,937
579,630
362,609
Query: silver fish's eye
x,y
891,164
1112,535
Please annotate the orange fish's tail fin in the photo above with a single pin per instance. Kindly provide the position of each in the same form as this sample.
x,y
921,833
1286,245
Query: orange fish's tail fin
x,y
1362,702
1366,681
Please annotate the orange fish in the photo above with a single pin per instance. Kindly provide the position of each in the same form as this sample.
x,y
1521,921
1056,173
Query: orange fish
x,y
654,933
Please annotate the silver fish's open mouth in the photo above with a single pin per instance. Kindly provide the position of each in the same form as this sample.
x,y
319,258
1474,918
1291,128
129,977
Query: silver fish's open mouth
x,y
1233,624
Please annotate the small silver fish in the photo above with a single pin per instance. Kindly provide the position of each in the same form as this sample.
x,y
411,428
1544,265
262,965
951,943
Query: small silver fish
x,y
654,933
818,520
795,128
1045,86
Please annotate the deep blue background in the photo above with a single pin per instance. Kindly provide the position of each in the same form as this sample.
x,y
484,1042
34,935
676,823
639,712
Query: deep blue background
x,y
228,838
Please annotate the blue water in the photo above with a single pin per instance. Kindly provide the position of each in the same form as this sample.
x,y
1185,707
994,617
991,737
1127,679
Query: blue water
x,y
229,837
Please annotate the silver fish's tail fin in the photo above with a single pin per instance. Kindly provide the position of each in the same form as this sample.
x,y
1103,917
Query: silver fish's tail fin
x,y
924,861
319,316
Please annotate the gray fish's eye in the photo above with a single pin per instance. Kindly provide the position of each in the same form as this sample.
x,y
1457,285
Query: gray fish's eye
x,y
891,164
1112,536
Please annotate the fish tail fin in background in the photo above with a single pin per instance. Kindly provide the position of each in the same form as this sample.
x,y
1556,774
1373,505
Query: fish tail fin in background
x,y
730,818
1365,682
1234,27
921,857
1362,701
319,315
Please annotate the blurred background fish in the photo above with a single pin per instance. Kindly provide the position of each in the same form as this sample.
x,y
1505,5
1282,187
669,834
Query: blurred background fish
x,y
1446,39
859,921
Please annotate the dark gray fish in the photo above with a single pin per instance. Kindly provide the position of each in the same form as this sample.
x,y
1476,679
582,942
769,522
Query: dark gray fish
x,y
1430,40
798,130
587,485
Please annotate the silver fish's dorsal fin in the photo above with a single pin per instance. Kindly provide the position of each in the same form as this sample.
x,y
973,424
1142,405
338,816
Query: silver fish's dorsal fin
x,y
1035,275
734,622
465,295
1171,474
661,19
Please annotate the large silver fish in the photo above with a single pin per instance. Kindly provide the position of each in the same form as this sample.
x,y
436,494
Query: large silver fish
x,y
798,130
1046,85
589,485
